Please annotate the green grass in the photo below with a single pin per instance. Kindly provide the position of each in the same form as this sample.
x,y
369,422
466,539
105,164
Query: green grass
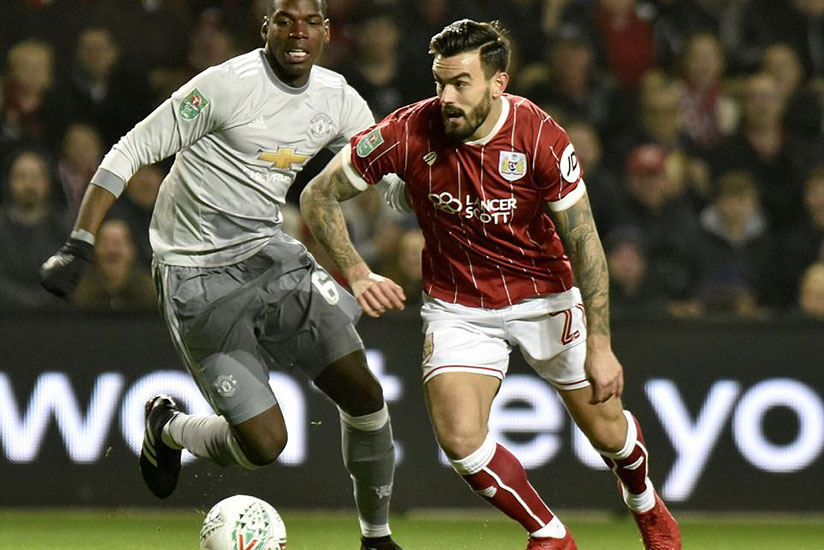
x,y
447,530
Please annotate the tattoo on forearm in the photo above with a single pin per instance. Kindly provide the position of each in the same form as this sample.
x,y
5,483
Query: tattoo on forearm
x,y
320,208
583,246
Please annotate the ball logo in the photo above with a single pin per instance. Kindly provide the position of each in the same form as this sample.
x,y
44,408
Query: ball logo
x,y
570,167
226,385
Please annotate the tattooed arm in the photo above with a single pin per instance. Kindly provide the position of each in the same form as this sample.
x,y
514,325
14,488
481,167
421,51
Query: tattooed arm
x,y
576,228
320,208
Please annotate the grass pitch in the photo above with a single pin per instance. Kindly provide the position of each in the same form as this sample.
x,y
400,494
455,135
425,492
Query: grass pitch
x,y
163,530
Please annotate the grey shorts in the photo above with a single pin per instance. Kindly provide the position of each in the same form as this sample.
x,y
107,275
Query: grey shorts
x,y
231,324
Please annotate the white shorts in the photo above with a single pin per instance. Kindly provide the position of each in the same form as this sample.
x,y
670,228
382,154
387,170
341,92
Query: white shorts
x,y
550,331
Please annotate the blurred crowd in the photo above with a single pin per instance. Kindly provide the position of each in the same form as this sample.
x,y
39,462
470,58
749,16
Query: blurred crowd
x,y
699,124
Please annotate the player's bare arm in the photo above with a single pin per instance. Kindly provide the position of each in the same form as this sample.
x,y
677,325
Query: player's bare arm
x,y
320,207
96,203
576,227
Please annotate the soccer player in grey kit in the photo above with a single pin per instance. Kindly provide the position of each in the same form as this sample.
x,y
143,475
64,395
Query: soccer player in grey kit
x,y
239,296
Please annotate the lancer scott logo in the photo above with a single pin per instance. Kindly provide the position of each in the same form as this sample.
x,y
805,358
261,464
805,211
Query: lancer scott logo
x,y
487,211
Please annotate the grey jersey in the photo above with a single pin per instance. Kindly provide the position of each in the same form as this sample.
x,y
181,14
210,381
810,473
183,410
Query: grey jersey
x,y
240,137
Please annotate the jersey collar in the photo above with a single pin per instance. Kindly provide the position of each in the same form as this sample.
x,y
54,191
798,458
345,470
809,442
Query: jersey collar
x,y
278,82
501,120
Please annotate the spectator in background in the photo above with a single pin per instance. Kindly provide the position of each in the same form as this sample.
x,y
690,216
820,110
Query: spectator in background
x,y
569,87
775,157
104,91
811,292
740,252
378,69
676,20
707,114
633,287
114,282
603,187
30,228
34,110
657,120
798,23
622,36
803,112
135,208
659,209
79,156
423,19
804,243
210,44
660,122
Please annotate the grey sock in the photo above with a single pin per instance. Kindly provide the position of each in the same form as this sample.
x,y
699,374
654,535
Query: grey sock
x,y
206,437
369,455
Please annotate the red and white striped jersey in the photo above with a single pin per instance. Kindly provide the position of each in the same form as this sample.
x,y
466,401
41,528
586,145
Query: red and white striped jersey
x,y
481,205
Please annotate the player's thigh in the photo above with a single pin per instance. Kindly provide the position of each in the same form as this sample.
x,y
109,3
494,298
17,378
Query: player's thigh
x,y
308,322
552,341
212,326
459,404
351,385
461,339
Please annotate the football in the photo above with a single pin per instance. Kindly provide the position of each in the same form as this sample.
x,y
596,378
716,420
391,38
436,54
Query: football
x,y
243,522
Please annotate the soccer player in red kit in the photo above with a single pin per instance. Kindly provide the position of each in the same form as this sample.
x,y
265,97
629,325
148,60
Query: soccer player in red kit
x,y
500,199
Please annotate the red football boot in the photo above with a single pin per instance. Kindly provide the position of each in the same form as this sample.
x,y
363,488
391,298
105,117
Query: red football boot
x,y
659,530
549,543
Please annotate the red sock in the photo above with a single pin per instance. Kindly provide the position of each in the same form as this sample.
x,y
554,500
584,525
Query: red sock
x,y
632,466
502,481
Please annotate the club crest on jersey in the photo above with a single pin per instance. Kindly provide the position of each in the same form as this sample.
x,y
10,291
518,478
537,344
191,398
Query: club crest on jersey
x,y
430,158
193,105
320,126
512,165
369,143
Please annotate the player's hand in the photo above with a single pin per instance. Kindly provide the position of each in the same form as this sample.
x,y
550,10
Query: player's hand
x,y
377,294
604,373
61,272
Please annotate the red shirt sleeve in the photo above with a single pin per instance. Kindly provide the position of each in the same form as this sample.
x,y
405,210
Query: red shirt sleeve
x,y
378,150
557,167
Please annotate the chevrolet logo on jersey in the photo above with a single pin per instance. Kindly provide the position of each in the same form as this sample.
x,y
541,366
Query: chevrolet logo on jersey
x,y
284,158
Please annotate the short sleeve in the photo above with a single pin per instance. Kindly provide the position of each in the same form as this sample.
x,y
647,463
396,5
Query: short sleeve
x,y
376,151
558,168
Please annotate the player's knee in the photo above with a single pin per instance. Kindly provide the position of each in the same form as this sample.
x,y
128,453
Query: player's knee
x,y
607,432
367,399
459,444
266,448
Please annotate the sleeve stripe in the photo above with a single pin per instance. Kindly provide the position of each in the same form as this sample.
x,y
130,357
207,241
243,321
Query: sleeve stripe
x,y
354,177
571,198
109,181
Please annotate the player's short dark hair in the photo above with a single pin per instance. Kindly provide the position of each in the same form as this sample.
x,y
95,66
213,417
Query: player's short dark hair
x,y
467,35
322,4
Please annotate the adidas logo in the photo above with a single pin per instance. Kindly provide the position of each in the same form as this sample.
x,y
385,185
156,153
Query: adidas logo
x,y
258,123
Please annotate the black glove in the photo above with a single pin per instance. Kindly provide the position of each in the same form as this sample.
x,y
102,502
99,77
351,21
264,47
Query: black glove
x,y
60,273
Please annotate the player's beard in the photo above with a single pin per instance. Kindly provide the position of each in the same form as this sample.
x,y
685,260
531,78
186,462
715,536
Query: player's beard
x,y
469,122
